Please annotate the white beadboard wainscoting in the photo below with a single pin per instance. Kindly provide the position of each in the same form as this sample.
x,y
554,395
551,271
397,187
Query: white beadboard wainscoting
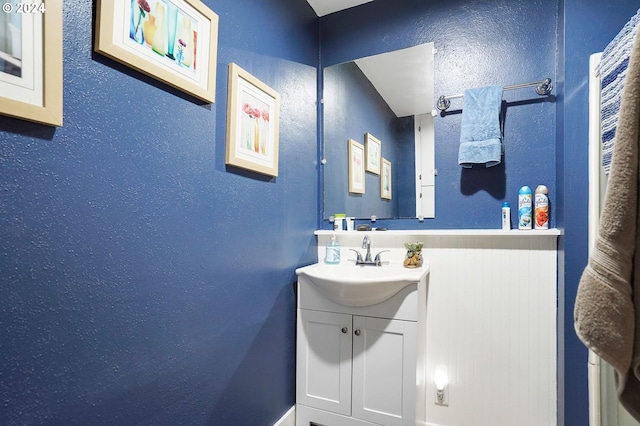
x,y
491,320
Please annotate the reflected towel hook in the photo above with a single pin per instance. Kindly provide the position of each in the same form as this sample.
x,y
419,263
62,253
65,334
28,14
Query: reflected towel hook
x,y
543,88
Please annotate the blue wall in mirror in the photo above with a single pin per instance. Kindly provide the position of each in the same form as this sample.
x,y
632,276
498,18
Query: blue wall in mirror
x,y
353,107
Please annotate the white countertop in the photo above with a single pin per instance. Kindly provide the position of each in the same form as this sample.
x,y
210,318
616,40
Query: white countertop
x,y
452,232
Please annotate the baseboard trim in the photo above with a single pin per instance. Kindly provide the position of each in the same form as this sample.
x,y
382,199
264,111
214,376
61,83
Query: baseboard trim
x,y
288,419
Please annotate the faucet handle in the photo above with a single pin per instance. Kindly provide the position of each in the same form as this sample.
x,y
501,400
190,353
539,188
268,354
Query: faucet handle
x,y
359,256
377,259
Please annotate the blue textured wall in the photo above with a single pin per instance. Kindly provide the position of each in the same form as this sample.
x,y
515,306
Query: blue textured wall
x,y
506,42
479,43
142,281
353,107
588,27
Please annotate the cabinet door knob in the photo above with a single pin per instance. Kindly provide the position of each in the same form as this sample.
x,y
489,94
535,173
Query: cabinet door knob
x,y
357,332
344,330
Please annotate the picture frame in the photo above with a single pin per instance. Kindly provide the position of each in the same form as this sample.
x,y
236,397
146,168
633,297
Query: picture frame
x,y
31,66
386,180
253,119
356,159
173,41
374,153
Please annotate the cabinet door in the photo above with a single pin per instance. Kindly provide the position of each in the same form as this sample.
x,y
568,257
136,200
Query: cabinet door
x,y
323,369
384,371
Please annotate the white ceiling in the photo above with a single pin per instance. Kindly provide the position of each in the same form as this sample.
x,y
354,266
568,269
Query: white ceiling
x,y
404,78
325,7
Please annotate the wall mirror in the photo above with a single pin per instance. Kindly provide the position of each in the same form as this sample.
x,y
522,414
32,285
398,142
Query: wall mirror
x,y
386,98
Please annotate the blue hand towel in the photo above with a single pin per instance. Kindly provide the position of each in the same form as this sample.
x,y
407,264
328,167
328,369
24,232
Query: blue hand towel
x,y
480,133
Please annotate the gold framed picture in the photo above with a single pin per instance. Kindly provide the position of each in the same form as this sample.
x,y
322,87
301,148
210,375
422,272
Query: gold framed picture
x,y
356,167
31,61
374,153
385,180
173,41
253,114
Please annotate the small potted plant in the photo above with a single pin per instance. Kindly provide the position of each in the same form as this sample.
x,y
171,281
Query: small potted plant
x,y
413,259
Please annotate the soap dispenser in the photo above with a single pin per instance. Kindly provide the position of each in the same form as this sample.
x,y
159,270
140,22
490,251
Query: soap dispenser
x,y
333,251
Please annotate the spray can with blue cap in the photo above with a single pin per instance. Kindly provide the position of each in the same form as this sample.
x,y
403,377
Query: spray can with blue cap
x,y
525,207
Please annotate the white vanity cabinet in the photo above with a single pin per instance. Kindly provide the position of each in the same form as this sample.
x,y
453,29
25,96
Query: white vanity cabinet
x,y
360,365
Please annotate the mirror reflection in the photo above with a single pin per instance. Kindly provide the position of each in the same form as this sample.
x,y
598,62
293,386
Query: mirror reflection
x,y
390,97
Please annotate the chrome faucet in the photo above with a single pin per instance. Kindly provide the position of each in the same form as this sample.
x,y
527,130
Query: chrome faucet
x,y
366,244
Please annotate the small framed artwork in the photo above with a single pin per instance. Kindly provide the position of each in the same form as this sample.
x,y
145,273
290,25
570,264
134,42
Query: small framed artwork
x,y
385,180
374,153
173,41
31,61
356,167
253,111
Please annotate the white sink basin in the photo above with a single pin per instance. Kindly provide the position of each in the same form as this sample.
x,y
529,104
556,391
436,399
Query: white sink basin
x,y
354,285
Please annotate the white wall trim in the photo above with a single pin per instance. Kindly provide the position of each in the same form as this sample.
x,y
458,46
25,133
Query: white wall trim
x,y
288,419
595,195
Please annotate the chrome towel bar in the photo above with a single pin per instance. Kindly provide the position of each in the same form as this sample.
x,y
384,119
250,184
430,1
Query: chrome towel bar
x,y
543,88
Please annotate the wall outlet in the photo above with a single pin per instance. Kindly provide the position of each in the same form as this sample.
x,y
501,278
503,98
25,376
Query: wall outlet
x,y
442,396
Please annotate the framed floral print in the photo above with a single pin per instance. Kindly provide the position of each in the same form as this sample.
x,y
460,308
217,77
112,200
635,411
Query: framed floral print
x,y
385,180
253,111
356,167
173,41
31,61
374,153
